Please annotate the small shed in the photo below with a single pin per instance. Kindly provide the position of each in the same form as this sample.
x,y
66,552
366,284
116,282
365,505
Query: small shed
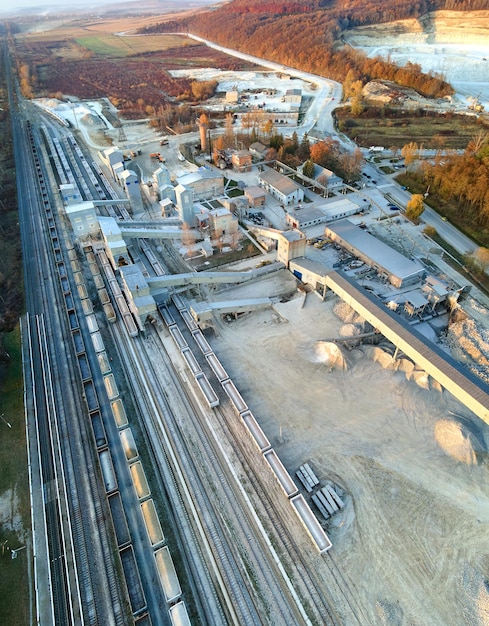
x,y
258,150
241,161
256,196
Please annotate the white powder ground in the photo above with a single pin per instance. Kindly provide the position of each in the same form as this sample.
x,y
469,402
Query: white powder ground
x,y
413,540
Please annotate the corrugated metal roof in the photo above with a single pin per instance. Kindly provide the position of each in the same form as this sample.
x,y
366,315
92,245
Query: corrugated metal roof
x,y
380,253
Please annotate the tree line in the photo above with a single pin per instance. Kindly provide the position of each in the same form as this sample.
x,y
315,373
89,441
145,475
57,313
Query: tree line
x,y
463,178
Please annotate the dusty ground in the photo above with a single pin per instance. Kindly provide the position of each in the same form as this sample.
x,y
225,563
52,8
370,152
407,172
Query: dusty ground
x,y
413,540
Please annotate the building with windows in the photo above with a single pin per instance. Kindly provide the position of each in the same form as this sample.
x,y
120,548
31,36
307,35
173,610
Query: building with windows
x,y
281,187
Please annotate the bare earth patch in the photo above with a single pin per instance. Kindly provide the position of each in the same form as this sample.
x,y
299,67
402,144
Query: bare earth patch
x,y
413,540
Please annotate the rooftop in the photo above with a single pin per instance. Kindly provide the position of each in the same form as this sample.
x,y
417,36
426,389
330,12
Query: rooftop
x,y
380,253
279,181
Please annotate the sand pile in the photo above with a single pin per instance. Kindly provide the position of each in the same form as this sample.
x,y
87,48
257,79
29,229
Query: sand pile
x,y
460,440
329,354
92,120
346,314
350,330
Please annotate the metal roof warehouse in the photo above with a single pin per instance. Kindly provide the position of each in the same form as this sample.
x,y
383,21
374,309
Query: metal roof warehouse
x,y
400,270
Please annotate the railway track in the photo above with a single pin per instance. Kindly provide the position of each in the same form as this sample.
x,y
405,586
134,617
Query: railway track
x,y
246,604
249,553
74,503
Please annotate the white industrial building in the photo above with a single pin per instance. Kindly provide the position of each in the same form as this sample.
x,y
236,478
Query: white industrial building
x,y
293,96
329,211
136,289
324,177
302,218
70,194
399,270
291,244
204,183
83,218
281,187
115,246
113,157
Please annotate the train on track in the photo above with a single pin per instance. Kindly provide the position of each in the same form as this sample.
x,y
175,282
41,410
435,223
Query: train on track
x,y
284,479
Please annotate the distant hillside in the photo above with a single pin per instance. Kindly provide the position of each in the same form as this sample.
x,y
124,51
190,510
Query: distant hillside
x,y
308,35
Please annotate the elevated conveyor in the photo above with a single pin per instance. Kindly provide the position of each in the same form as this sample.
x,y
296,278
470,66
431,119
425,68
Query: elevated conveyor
x,y
461,383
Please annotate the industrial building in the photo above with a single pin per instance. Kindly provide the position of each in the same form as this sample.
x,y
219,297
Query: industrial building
x,y
83,218
397,269
256,196
281,187
291,245
70,193
324,176
115,246
293,96
327,212
258,150
241,160
137,292
204,183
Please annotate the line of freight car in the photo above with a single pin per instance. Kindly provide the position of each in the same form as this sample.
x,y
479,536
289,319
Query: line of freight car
x,y
98,430
87,305
102,256
114,287
216,366
282,475
109,313
167,574
207,389
90,395
178,338
65,284
84,367
98,342
192,362
130,325
134,587
189,320
311,524
108,271
201,341
143,619
152,523
255,431
119,521
234,395
179,615
166,315
121,304
108,473
78,342
73,318
92,323
178,302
